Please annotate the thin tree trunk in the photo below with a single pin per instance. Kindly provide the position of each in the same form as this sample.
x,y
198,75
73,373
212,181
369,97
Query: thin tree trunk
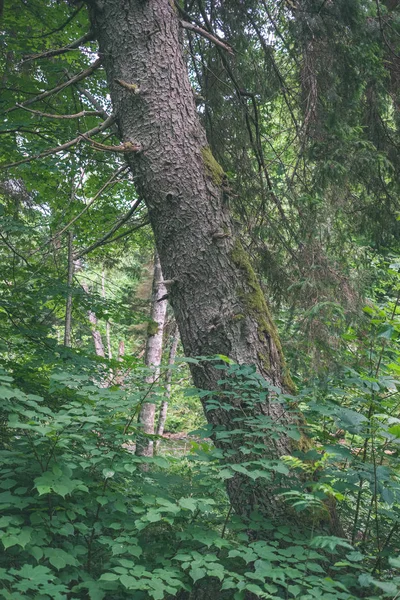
x,y
153,356
96,335
108,328
213,290
162,417
119,374
70,277
121,350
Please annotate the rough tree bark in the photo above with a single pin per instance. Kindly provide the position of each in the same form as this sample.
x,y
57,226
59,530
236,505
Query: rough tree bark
x,y
153,356
216,297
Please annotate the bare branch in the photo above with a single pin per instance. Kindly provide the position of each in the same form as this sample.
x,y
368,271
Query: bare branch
x,y
84,92
110,181
124,147
13,250
83,113
56,52
206,34
105,125
82,75
117,226
62,26
104,242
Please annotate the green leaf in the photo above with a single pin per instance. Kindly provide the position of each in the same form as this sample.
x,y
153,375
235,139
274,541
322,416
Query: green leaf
x,y
395,562
188,503
109,577
386,586
128,582
197,573
395,430
108,473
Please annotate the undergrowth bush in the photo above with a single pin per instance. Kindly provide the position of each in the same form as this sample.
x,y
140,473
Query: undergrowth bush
x,y
82,518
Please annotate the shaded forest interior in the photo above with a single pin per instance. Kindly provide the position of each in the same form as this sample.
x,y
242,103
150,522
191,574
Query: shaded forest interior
x,y
199,299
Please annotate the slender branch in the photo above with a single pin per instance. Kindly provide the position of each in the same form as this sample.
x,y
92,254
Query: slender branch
x,y
92,201
206,34
82,75
137,226
89,97
105,125
13,250
61,27
117,226
84,92
57,51
83,113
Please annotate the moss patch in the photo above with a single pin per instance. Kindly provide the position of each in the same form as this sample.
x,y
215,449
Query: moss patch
x,y
257,306
152,328
213,168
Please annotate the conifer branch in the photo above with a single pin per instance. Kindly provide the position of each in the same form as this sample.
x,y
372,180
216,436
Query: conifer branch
x,y
124,147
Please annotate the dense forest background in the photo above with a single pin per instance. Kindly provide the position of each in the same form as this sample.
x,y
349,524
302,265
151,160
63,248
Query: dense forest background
x,y
120,477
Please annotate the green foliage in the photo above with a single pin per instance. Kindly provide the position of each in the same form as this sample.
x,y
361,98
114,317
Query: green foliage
x,y
81,518
304,122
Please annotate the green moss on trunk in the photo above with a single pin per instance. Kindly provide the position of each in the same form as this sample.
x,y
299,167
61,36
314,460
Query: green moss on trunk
x,y
213,168
257,307
152,327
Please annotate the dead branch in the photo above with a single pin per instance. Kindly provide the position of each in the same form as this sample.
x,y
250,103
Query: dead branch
x,y
57,51
110,181
117,226
135,227
82,75
83,113
105,125
124,147
206,34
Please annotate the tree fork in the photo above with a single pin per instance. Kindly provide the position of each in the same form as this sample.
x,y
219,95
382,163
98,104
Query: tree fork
x,y
216,297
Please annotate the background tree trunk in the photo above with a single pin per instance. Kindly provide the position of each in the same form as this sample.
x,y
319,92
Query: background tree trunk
x,y
164,404
153,356
68,305
96,335
108,328
216,297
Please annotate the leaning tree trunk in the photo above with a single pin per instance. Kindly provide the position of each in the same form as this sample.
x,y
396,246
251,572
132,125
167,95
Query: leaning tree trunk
x,y
216,297
153,356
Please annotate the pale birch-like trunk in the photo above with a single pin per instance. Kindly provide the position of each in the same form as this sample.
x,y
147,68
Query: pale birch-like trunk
x,y
153,356
119,374
108,327
162,417
96,335
70,277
